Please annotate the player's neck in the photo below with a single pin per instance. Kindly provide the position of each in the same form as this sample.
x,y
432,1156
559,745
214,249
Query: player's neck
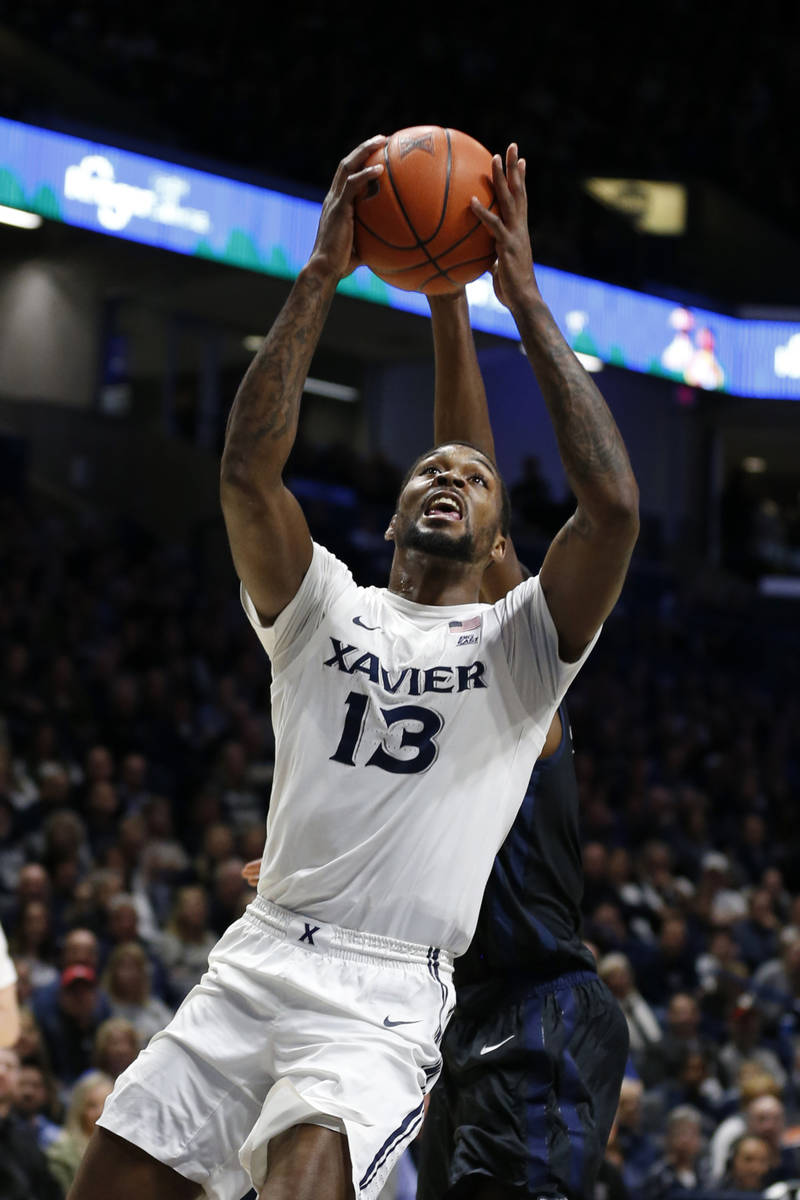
x,y
428,579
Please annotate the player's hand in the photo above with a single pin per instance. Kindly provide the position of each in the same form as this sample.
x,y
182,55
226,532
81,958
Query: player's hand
x,y
251,872
514,281
333,248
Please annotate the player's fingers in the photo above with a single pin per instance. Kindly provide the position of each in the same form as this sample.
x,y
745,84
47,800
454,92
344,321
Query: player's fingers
x,y
505,200
490,219
515,173
357,183
356,158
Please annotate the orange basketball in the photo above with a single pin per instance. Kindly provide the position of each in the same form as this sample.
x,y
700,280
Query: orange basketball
x,y
414,227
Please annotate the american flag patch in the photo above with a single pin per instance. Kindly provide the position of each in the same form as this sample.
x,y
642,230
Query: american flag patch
x,y
464,626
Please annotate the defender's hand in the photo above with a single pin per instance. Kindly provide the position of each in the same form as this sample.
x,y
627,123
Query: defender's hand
x,y
333,248
251,872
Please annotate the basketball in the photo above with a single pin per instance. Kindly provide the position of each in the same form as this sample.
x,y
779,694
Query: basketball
x,y
414,226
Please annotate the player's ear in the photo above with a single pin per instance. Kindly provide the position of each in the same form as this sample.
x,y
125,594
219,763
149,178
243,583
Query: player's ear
x,y
498,551
389,535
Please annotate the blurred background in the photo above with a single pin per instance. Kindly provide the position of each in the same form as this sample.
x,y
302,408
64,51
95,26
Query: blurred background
x,y
161,168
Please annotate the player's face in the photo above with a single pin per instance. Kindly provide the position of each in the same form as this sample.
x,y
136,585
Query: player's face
x,y
450,506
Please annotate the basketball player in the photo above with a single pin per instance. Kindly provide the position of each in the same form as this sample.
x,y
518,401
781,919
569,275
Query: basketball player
x,y
407,723
536,1050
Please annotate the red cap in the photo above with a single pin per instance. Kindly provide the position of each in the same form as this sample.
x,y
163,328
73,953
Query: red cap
x,y
78,972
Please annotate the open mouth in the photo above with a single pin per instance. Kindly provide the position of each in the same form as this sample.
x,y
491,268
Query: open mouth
x,y
444,506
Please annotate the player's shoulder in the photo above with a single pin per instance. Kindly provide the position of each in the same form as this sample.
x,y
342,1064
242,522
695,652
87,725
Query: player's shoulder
x,y
329,571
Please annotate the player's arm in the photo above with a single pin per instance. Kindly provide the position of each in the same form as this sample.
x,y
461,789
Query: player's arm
x,y
269,538
461,413
585,566
9,1015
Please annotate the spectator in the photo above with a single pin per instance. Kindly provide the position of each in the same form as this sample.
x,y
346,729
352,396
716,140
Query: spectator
x,y
777,982
242,802
187,942
127,984
33,883
722,976
694,1085
744,1044
753,853
682,1167
122,923
681,1033
219,844
116,1045
766,1117
102,817
660,890
80,947
68,1025
607,929
772,882
32,943
671,967
616,971
30,1045
35,1102
635,1150
133,791
757,933
718,901
760,1109
85,1105
748,1165
229,897
597,886
24,1173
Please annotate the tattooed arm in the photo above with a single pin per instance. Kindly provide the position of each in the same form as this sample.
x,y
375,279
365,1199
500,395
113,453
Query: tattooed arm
x,y
585,566
269,538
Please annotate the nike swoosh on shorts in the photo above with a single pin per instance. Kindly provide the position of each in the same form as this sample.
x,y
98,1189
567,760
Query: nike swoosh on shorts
x,y
391,1024
497,1045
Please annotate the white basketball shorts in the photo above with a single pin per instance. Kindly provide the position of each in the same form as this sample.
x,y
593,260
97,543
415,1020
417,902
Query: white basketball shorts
x,y
294,1022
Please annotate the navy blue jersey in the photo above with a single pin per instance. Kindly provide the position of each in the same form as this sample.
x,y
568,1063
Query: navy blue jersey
x,y
530,919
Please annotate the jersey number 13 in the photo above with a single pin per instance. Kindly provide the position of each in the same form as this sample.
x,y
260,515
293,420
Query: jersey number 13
x,y
417,731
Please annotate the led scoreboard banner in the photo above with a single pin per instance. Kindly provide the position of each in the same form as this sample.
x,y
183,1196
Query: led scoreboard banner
x,y
99,187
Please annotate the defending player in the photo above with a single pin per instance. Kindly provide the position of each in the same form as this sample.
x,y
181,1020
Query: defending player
x,y
407,723
536,1050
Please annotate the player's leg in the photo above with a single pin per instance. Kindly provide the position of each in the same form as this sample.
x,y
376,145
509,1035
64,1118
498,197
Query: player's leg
x,y
112,1166
308,1162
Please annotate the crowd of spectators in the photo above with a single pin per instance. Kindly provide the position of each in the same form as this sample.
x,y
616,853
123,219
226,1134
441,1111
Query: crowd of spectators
x,y
136,755
685,95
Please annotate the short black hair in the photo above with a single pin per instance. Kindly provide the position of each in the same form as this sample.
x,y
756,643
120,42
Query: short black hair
x,y
505,500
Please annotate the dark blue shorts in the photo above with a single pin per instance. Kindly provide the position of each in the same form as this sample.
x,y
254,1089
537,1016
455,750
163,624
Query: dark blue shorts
x,y
529,1089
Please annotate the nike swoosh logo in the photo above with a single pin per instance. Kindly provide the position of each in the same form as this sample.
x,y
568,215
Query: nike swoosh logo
x,y
360,623
391,1024
497,1045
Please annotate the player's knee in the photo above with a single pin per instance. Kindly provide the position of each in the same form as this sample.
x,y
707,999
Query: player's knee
x,y
113,1165
308,1161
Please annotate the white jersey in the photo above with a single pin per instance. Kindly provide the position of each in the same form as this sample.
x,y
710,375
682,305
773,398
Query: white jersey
x,y
405,738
